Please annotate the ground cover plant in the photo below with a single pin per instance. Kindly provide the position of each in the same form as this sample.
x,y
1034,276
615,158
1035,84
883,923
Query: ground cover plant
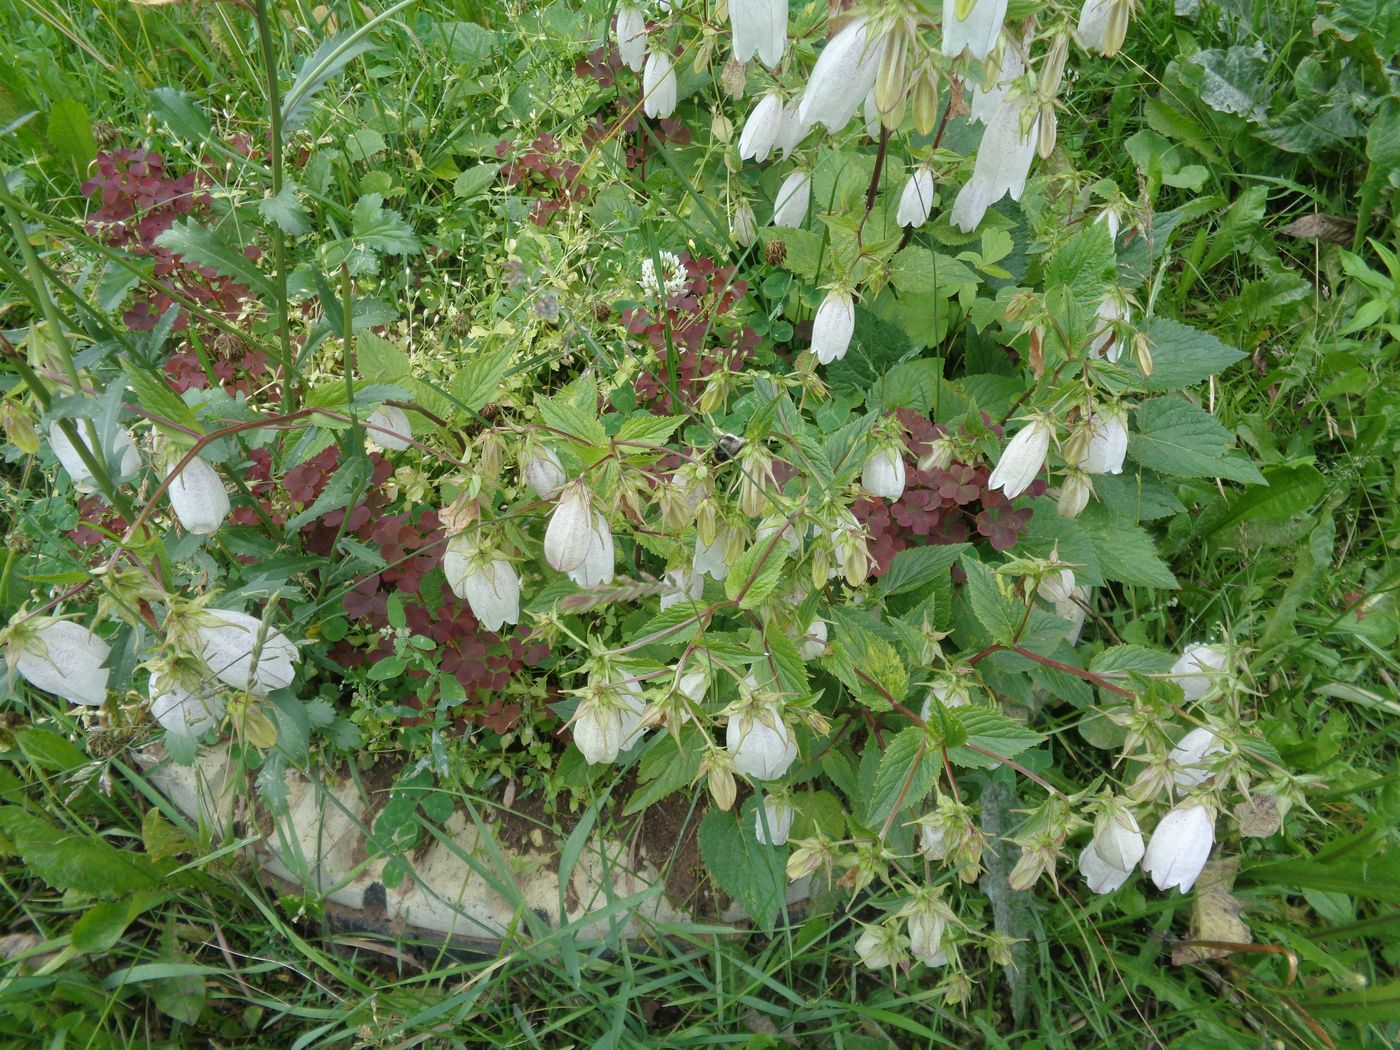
x,y
941,455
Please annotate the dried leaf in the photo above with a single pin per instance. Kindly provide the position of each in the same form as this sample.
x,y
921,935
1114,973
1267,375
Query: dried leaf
x,y
1215,915
1333,229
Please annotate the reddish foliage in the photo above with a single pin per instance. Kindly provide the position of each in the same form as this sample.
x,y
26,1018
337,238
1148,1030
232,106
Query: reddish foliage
x,y
554,181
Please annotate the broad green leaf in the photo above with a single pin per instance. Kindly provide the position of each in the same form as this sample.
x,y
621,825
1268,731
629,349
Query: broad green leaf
x,y
80,862
992,731
381,229
757,573
204,247
334,54
663,771
916,567
479,376
649,429
908,770
1173,436
998,613
181,114
561,416
69,135
285,210
792,669
475,181
1183,356
103,924
157,398
1125,551
1083,265
752,874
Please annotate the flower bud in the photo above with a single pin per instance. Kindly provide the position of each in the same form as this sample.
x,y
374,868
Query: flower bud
x,y
630,32
659,85
1180,846
760,28
1117,838
570,531
790,206
1196,669
845,72
244,653
1074,494
883,474
1099,875
761,128
916,202
833,327
760,742
719,779
1103,24
743,227
1021,461
59,657
18,424
542,471
199,498
721,128
772,821
487,582
939,455
389,428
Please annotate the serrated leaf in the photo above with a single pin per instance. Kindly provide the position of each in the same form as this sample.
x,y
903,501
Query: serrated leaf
x,y
157,398
998,613
581,426
205,248
993,731
664,771
285,210
1173,436
83,863
1183,356
181,114
334,54
381,229
757,573
69,134
752,874
475,181
792,669
649,429
347,482
1125,551
1083,265
907,773
916,567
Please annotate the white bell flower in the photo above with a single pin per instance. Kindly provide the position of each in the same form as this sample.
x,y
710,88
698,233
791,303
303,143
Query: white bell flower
x,y
985,103
790,206
1022,459
709,559
761,128
977,33
1180,846
1103,24
926,929
1099,875
60,657
812,644
844,74
743,227
243,653
389,428
686,586
1108,444
1002,165
609,722
792,129
1057,587
760,28
570,531
630,31
659,85
198,497
600,563
1190,756
833,326
933,841
777,816
880,947
916,202
184,711
543,472
73,464
1196,668
884,474
1106,342
487,582
1118,839
760,743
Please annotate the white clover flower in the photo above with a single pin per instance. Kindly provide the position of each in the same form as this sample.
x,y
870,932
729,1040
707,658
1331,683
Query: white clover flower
x,y
389,428
570,530
916,202
792,129
760,743
245,654
1180,846
630,31
659,85
1002,165
600,562
1196,668
985,103
884,474
73,464
760,28
977,33
686,585
60,657
1190,757
673,280
790,206
187,712
844,74
761,128
1022,459
833,326
198,497
772,822
812,644
709,558
487,582
1108,444
543,472
743,227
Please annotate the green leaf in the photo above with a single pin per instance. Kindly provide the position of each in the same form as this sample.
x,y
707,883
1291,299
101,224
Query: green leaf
x,y
468,43
921,273
917,567
205,248
1183,356
1173,436
285,210
908,770
757,573
1083,265
752,874
181,114
993,731
345,485
103,924
475,181
792,669
649,429
479,376
1376,1005
381,229
69,135
334,54
1125,551
82,863
1235,80
663,771
998,613
48,750
583,427
157,398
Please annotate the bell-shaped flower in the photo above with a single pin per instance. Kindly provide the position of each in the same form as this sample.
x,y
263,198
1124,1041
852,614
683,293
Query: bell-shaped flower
x,y
790,206
812,644
685,585
72,463
978,32
743,227
485,580
1191,757
833,326
1102,25
792,129
659,85
60,657
1180,847
772,822
709,558
1002,165
608,722
543,472
1022,460
916,202
188,708
884,474
985,103
844,74
880,947
760,28
1099,875
1118,839
600,563
245,654
1196,669
926,929
1108,444
950,691
1074,494
1106,342
760,743
630,31
870,113
389,428
761,128
198,497
933,841
1057,587
570,531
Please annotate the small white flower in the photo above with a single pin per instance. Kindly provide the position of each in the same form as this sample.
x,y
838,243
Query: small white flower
x,y
243,653
884,474
926,930
769,527
1074,494
950,692
1099,875
812,644
1108,444
389,428
630,31
1106,342
570,530
183,711
709,560
1180,847
543,472
487,582
790,206
599,564
199,498
1190,757
1057,587
73,464
916,202
845,72
870,111
760,743
1002,165
933,841
743,227
686,586
673,280
976,33
693,686
609,723
1118,839
792,129
659,85
62,658
1196,669
879,947
1021,461
772,822
760,28
833,327
986,103
1102,25
761,128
